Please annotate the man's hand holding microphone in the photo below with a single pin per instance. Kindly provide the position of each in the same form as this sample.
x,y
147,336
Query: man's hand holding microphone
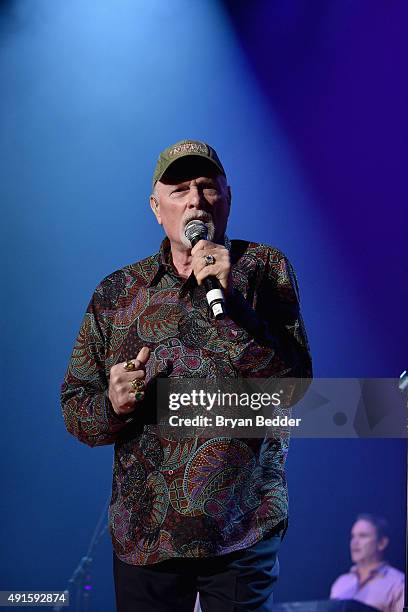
x,y
211,266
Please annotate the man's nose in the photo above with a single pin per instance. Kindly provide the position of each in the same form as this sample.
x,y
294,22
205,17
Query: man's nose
x,y
195,199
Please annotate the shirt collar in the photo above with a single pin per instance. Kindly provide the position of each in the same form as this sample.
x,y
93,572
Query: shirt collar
x,y
163,262
380,569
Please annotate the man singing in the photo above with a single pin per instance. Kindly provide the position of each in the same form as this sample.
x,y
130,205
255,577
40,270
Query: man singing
x,y
188,515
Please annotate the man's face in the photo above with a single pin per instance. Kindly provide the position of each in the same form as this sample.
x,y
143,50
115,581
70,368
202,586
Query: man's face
x,y
191,191
365,547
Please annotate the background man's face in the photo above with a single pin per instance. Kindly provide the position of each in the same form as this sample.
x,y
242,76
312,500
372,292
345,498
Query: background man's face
x,y
191,191
365,546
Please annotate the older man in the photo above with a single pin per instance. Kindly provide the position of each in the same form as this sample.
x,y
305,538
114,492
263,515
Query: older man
x,y
188,514
371,579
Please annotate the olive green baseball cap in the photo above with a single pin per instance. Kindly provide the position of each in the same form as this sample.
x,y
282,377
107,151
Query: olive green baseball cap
x,y
185,148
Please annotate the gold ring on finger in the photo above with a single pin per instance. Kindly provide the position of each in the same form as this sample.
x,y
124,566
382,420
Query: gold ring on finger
x,y
137,385
129,366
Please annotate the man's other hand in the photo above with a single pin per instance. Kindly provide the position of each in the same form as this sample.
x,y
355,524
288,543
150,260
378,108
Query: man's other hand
x,y
122,394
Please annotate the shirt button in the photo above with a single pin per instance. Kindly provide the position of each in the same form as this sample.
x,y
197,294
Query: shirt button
x,y
171,472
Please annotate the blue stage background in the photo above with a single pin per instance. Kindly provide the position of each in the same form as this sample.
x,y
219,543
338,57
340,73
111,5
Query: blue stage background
x,y
306,106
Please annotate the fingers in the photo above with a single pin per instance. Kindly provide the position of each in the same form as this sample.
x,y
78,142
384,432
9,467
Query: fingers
x,y
224,277
143,355
140,361
202,245
221,268
128,376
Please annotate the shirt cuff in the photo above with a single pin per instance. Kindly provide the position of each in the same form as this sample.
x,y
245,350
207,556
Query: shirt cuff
x,y
116,419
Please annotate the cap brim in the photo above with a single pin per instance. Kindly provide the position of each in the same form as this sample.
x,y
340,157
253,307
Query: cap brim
x,y
188,156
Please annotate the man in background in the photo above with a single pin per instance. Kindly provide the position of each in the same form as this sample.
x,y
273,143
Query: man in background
x,y
371,579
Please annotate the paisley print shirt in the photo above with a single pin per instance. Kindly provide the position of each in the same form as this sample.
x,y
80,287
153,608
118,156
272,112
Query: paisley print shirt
x,y
187,497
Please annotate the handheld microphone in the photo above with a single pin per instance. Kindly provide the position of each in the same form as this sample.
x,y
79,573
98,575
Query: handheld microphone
x,y
194,231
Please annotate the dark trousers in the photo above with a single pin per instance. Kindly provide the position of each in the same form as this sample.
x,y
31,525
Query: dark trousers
x,y
242,581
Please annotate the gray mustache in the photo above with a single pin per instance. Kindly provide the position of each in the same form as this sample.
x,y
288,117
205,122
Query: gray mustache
x,y
200,215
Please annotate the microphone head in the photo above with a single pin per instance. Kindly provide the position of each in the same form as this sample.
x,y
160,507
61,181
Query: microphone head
x,y
196,230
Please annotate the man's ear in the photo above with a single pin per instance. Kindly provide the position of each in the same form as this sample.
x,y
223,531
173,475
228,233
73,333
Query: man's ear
x,y
383,543
155,206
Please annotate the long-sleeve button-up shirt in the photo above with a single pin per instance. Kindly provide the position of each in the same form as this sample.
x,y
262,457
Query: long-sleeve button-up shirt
x,y
384,588
188,497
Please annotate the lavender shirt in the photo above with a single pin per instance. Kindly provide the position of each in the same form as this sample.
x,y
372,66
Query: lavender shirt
x,y
384,589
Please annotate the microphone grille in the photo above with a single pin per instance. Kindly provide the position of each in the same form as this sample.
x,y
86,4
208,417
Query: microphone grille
x,y
196,229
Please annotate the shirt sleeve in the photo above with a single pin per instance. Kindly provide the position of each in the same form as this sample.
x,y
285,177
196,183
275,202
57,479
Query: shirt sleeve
x,y
397,603
334,591
270,338
87,410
